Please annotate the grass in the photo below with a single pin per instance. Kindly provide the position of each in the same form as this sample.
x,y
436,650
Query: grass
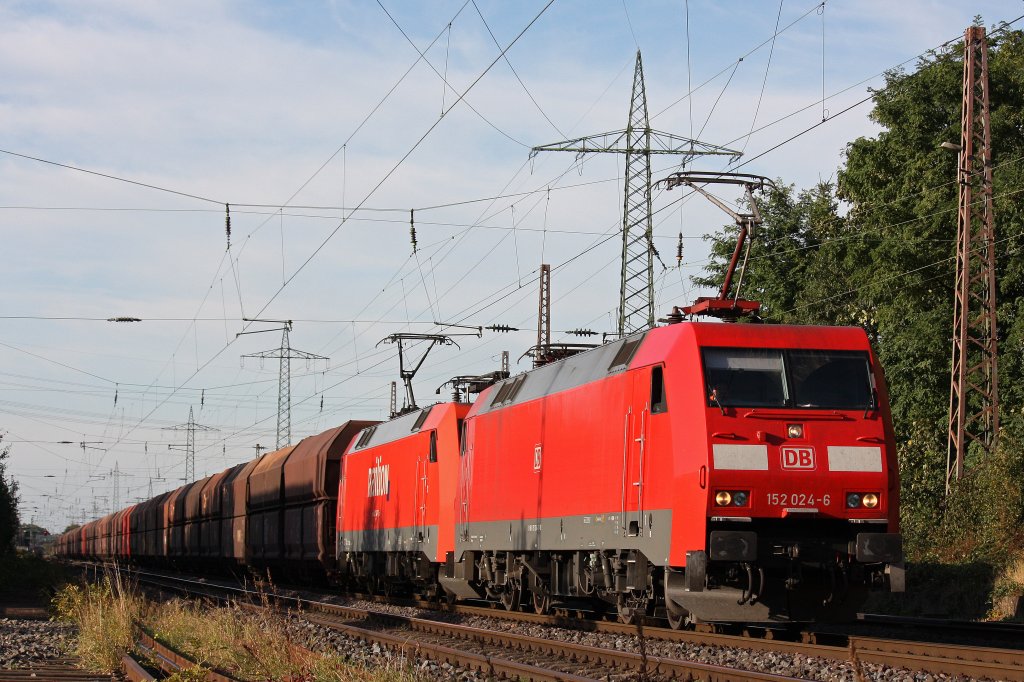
x,y
249,646
256,646
104,613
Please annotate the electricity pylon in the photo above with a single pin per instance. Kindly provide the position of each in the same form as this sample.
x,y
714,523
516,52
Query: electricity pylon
x,y
189,446
638,142
974,385
285,353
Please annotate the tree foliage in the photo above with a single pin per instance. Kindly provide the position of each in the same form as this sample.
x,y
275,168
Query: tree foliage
x,y
876,249
8,506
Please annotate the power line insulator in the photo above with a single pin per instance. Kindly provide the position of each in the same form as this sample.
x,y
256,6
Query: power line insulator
x,y
679,251
501,328
412,228
581,332
227,222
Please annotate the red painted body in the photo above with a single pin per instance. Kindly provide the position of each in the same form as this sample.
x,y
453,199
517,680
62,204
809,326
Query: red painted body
x,y
392,497
599,439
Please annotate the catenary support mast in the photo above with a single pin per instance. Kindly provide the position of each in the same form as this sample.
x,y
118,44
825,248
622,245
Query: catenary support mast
x,y
974,386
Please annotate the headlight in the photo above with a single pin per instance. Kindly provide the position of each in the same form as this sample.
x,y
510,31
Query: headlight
x,y
858,500
795,430
732,498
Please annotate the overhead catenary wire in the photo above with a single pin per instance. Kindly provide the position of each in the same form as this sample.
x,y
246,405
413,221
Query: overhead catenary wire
x,y
225,315
446,84
764,81
369,194
516,73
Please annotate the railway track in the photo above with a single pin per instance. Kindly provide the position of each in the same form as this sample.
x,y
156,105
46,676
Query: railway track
x,y
930,657
167,661
53,670
486,651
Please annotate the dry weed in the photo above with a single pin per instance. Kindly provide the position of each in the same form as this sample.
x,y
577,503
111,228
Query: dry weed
x,y
246,645
104,613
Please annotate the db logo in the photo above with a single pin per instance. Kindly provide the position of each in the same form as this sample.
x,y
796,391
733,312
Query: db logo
x,y
798,458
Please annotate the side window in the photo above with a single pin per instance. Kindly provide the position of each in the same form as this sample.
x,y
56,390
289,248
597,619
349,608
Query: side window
x,y
658,402
461,427
433,446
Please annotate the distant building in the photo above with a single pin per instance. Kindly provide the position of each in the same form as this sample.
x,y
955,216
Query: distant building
x,y
32,539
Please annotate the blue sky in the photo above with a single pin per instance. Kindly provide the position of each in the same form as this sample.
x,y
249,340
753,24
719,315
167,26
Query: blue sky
x,y
259,105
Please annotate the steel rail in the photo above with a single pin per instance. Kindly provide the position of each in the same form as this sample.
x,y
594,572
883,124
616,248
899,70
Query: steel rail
x,y
560,653
54,670
133,670
481,663
172,661
578,655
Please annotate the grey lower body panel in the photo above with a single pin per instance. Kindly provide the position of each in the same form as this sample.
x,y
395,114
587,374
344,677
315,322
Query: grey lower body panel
x,y
407,539
649,532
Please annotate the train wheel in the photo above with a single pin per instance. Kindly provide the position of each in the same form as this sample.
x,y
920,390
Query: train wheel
x,y
541,602
676,621
510,598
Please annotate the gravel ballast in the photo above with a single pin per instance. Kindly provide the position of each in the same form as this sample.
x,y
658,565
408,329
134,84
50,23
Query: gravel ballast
x,y
778,663
25,642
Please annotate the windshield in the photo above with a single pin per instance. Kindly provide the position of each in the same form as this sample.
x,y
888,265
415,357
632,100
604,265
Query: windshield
x,y
756,377
828,378
750,377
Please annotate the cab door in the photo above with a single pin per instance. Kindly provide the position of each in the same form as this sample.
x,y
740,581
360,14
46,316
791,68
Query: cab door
x,y
636,434
422,487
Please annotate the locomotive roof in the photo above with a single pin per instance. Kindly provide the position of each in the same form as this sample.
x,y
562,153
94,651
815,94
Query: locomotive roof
x,y
563,375
393,429
615,357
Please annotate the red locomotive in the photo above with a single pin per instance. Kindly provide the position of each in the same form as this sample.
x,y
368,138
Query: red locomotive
x,y
395,512
723,472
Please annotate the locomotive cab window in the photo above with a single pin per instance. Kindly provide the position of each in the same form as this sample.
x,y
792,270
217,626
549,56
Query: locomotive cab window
x,y
793,378
658,403
745,377
830,379
433,446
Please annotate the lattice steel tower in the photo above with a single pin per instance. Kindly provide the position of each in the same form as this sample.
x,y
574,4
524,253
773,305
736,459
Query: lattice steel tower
x,y
285,353
974,389
638,142
189,446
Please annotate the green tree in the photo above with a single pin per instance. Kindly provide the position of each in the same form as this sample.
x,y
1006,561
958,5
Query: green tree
x,y
877,250
8,505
